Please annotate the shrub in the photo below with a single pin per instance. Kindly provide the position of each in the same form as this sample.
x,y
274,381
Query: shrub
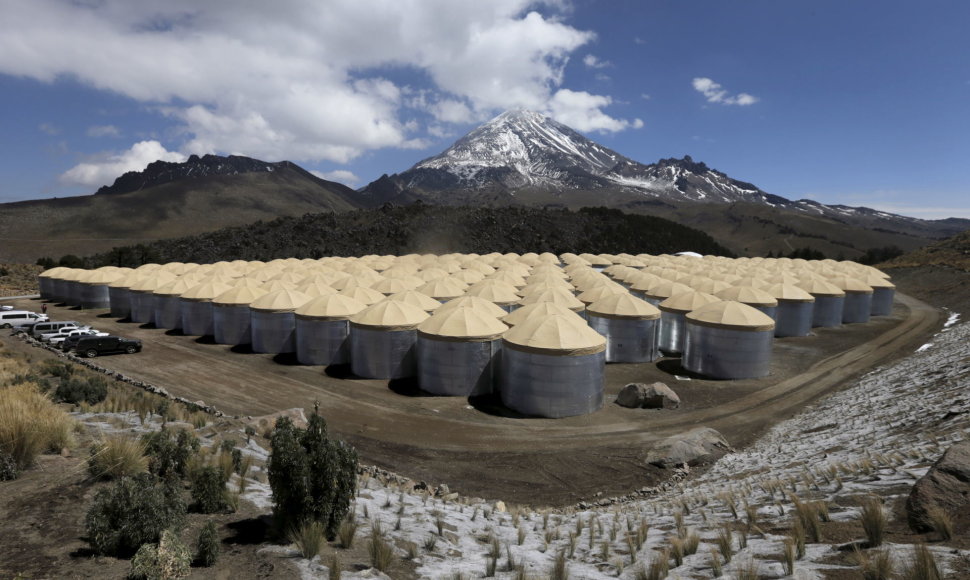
x,y
167,559
941,522
312,477
78,390
207,547
347,532
380,549
8,467
117,457
30,424
873,521
168,454
874,565
132,512
923,565
209,491
309,538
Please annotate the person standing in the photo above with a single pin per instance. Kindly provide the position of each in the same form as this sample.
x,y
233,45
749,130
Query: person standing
x,y
43,308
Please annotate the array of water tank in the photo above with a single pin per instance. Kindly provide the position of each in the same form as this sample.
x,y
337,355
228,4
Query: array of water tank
x,y
535,329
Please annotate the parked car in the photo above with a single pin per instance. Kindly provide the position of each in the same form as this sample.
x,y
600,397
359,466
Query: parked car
x,y
92,346
59,339
50,326
64,330
18,318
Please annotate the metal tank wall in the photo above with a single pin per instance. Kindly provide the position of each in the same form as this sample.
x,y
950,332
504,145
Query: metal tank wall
x,y
794,318
322,342
142,306
857,307
72,292
628,340
231,324
882,301
95,296
724,353
196,317
771,311
273,332
382,354
59,290
46,285
828,311
548,385
168,311
120,302
457,368
672,332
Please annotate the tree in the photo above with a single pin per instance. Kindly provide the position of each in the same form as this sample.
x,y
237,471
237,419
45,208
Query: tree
x,y
133,511
313,477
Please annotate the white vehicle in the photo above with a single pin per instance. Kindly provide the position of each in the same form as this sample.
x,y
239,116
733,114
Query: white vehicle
x,y
18,318
64,330
60,338
48,326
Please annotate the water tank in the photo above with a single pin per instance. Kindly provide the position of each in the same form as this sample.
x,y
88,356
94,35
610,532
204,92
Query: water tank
x,y
552,366
795,309
118,294
167,303
629,325
755,297
829,301
45,280
728,340
195,307
323,329
497,292
858,299
662,290
883,293
142,295
456,352
231,318
274,321
382,340
673,311
94,287
71,285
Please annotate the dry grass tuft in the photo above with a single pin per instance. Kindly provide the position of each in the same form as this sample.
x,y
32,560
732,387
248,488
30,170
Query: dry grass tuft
x,y
923,565
116,457
874,565
941,522
873,519
31,424
309,538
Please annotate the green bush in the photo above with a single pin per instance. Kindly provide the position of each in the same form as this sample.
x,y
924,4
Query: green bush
x,y
207,548
313,478
163,561
209,491
132,512
168,453
8,467
77,390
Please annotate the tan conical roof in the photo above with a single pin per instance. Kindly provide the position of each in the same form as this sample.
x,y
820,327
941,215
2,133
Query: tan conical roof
x,y
538,309
494,291
748,295
558,334
623,306
708,285
282,300
443,288
687,301
731,315
330,307
365,295
482,305
789,293
462,323
599,292
175,287
128,280
238,296
54,272
316,288
389,286
415,298
876,281
153,281
851,285
560,296
206,291
820,287
274,285
537,287
390,315
665,289
103,276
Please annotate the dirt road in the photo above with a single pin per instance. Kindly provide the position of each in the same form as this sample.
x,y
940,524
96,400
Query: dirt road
x,y
477,447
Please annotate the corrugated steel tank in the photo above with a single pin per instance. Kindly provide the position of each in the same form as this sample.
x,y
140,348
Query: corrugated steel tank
x,y
457,350
383,338
630,326
728,340
274,321
323,329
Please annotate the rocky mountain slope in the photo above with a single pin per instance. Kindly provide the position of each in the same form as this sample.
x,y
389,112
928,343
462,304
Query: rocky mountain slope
x,y
166,200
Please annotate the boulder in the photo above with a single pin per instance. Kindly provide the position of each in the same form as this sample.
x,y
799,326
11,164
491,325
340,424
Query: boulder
x,y
945,486
267,422
697,446
652,396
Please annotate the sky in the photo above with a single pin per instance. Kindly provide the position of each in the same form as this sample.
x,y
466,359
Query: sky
x,y
859,103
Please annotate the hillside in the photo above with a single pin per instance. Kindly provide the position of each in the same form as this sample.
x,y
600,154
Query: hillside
x,y
426,229
167,200
953,252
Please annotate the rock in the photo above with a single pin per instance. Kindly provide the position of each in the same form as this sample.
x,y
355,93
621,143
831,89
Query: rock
x,y
701,445
652,396
265,422
945,486
500,506
442,490
453,496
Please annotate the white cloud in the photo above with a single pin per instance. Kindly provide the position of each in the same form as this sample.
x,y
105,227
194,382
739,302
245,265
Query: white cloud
x,y
338,175
103,169
49,129
583,112
591,61
715,93
301,80
103,131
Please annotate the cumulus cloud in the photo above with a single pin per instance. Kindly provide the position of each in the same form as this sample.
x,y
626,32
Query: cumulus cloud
x,y
715,93
583,112
103,131
304,80
592,61
103,169
338,175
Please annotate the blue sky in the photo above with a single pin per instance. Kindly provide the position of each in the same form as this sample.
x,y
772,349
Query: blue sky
x,y
862,102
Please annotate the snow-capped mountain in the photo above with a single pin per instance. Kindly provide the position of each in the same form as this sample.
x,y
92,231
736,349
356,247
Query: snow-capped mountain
x,y
524,150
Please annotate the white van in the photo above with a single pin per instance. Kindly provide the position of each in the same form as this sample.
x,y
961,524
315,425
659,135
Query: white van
x,y
18,318
47,326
